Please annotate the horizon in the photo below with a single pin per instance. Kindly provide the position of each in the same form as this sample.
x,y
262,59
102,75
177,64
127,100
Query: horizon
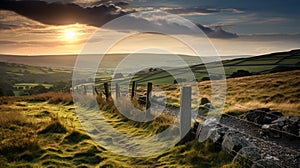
x,y
182,54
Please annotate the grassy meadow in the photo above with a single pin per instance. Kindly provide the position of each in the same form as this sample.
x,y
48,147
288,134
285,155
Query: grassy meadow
x,y
278,91
43,130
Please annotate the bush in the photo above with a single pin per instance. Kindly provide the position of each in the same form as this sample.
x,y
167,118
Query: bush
x,y
240,73
6,90
38,89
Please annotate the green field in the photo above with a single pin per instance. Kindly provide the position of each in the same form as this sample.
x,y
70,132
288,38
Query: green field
x,y
264,64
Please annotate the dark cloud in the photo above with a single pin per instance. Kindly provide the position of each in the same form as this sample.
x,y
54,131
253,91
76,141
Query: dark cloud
x,y
165,23
63,14
217,32
122,3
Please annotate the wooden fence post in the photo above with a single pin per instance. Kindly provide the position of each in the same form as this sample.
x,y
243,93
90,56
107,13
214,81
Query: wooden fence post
x,y
148,103
84,90
117,91
106,90
185,110
95,90
133,89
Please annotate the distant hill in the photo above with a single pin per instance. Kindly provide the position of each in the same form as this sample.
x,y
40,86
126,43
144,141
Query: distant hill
x,y
275,62
54,61
269,63
68,61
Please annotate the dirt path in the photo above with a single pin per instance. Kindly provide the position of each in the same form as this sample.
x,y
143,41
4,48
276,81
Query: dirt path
x,y
285,151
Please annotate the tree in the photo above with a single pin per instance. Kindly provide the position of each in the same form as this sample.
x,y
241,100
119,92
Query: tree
x,y
38,89
6,89
240,73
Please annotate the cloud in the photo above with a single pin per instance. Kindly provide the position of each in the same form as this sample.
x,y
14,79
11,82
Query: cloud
x,y
158,21
217,32
272,37
199,11
63,14
11,21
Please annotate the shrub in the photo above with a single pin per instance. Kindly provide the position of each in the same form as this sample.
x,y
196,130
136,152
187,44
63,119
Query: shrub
x,y
240,73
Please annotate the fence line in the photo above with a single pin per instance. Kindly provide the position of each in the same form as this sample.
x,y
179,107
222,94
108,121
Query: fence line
x,y
185,111
134,93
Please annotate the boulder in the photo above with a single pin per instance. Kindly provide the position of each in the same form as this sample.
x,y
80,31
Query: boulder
x,y
293,119
272,130
217,134
263,115
291,129
208,106
271,116
234,141
256,116
205,108
247,155
280,121
206,127
204,100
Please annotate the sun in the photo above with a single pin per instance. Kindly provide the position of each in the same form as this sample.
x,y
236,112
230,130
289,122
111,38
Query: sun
x,y
70,35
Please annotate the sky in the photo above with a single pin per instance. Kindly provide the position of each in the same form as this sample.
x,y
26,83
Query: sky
x,y
51,27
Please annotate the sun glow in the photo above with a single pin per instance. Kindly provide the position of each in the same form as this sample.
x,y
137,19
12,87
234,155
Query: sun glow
x,y
70,35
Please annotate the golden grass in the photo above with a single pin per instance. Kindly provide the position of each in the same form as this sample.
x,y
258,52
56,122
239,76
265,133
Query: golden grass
x,y
278,91
8,118
152,127
49,135
51,98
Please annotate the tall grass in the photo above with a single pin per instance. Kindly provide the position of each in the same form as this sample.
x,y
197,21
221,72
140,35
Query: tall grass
x,y
51,98
157,125
18,140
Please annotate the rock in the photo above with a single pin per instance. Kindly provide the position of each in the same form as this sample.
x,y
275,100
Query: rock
x,y
247,155
211,122
275,113
291,129
271,130
293,119
208,106
234,141
206,127
263,109
265,163
217,134
271,116
256,116
263,115
280,121
205,108
204,100
142,100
